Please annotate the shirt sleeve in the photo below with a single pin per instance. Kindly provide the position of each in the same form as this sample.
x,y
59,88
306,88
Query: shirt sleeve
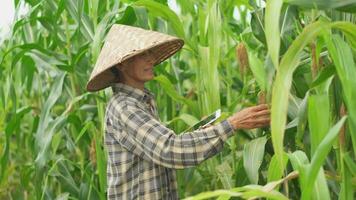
x,y
146,137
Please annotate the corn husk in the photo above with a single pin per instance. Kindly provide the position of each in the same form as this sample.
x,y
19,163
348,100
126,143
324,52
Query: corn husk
x,y
242,59
261,97
315,63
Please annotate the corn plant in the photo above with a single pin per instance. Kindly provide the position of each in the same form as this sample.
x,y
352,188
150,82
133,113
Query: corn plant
x,y
297,56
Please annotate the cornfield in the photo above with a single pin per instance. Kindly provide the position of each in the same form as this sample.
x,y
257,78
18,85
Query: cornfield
x,y
296,55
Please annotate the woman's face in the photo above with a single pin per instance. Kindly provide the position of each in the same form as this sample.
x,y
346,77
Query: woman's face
x,y
139,69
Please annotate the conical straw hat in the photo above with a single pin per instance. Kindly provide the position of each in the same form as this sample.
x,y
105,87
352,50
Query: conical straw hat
x,y
124,42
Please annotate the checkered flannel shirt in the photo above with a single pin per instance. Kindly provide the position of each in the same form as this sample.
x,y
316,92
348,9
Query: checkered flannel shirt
x,y
143,153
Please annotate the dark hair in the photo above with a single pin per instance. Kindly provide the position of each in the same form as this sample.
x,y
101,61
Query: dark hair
x,y
116,72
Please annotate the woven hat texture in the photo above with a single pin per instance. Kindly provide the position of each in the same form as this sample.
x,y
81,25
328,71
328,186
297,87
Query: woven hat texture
x,y
125,42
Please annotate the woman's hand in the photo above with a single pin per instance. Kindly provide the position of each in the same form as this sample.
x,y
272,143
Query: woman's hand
x,y
251,117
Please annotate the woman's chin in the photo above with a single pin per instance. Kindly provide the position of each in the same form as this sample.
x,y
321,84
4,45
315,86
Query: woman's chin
x,y
149,77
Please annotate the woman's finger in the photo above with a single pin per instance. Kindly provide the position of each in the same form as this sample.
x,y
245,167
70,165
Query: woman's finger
x,y
261,113
262,121
260,107
261,125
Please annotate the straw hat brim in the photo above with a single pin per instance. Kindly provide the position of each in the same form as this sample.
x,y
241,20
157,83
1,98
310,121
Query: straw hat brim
x,y
160,51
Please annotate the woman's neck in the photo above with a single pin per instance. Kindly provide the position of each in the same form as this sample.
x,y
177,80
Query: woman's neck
x,y
135,84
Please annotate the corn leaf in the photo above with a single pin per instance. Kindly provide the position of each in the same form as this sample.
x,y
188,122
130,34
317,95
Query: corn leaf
x,y
346,71
283,81
350,164
273,11
165,12
225,174
344,5
171,91
253,155
318,119
10,129
258,70
319,157
300,162
302,119
188,119
207,73
274,171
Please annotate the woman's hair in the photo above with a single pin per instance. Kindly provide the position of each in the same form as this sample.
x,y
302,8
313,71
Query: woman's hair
x,y
116,72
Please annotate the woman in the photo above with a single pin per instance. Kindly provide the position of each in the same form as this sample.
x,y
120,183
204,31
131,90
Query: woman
x,y
142,153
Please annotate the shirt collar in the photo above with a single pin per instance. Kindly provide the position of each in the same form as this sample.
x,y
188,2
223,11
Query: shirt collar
x,y
131,91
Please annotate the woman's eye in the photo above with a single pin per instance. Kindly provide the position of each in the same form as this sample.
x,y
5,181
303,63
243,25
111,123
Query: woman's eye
x,y
149,59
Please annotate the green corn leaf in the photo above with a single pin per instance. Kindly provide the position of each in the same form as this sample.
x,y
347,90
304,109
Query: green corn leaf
x,y
208,81
324,75
83,130
225,174
188,119
274,171
350,164
216,193
346,71
165,12
273,11
47,127
100,32
257,25
347,190
300,162
43,143
83,22
258,191
320,190
208,61
10,128
319,157
56,36
101,159
129,16
246,192
258,70
344,5
224,197
253,155
171,91
349,29
213,56
302,119
66,179
318,119
283,81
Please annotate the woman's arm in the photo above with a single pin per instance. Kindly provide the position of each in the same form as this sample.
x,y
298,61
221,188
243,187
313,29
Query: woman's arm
x,y
140,133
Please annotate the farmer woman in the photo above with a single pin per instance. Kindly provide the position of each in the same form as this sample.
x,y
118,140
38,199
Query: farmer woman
x,y
143,153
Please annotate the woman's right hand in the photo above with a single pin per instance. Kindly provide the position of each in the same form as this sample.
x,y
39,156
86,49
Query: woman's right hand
x,y
251,117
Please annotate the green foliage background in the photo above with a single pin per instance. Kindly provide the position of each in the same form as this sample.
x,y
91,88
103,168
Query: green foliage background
x,y
301,56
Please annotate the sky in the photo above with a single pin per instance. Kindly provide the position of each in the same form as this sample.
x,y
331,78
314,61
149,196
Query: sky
x,y
7,12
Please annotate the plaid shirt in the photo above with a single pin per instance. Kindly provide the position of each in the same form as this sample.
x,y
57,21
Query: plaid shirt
x,y
143,153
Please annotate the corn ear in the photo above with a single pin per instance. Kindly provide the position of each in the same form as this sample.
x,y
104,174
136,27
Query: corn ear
x,y
242,59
